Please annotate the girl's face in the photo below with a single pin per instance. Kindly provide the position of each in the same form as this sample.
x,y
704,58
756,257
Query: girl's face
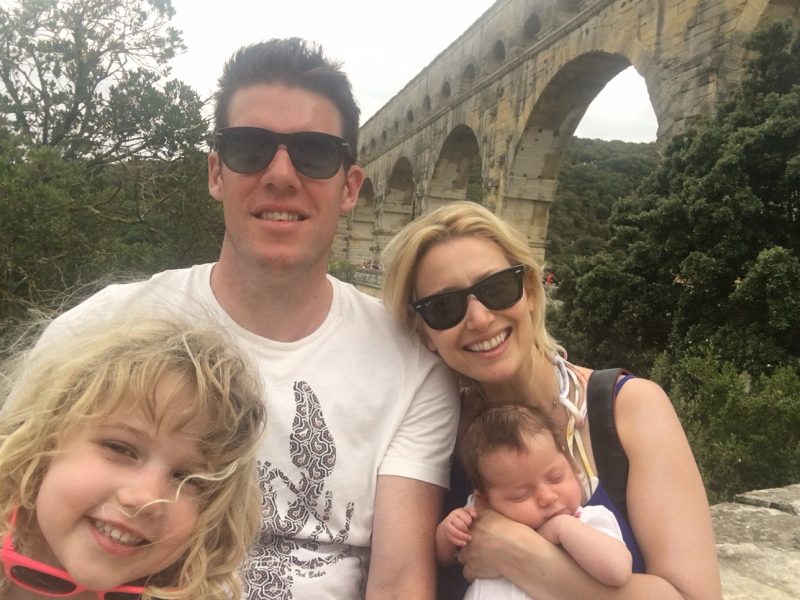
x,y
488,346
94,507
532,486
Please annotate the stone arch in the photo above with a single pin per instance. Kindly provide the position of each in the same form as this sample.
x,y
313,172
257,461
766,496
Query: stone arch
x,y
467,77
523,111
532,177
498,53
531,27
397,207
426,104
363,246
456,161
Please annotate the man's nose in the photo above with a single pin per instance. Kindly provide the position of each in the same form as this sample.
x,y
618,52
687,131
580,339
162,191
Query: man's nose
x,y
280,171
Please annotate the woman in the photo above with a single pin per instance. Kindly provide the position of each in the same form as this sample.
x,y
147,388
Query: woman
x,y
468,283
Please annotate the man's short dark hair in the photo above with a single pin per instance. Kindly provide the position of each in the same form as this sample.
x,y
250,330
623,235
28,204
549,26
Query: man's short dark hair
x,y
293,62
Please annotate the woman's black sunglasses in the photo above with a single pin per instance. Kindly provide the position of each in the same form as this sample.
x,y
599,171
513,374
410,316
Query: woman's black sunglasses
x,y
496,292
314,154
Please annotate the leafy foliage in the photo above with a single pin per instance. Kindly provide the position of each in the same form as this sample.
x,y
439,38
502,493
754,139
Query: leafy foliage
x,y
593,175
745,432
699,280
65,226
342,269
83,76
104,161
716,220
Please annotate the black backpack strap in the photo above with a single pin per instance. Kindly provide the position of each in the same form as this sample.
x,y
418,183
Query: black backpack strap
x,y
609,456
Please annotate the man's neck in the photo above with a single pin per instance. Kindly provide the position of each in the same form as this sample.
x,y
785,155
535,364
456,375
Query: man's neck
x,y
278,305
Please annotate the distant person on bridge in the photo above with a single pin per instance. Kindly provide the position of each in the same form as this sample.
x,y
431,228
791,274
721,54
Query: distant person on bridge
x,y
469,284
362,418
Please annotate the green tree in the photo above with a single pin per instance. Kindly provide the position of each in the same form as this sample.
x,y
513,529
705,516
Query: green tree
x,y
700,279
716,220
104,160
594,174
83,76
744,431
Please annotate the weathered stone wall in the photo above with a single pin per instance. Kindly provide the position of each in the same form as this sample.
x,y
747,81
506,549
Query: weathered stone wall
x,y
511,90
758,542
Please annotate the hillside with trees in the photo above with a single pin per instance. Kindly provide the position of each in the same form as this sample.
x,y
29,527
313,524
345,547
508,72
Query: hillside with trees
x,y
699,281
594,174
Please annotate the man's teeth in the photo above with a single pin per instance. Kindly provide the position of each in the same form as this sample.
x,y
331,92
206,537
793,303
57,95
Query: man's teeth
x,y
489,344
121,537
273,215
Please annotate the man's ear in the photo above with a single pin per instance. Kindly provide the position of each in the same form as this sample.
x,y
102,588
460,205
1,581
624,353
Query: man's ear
x,y
215,184
353,180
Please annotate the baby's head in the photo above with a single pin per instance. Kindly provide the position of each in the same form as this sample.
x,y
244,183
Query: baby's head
x,y
135,440
513,458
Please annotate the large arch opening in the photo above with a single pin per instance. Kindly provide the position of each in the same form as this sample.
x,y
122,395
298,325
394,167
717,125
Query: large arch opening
x,y
621,111
533,175
397,208
457,174
612,149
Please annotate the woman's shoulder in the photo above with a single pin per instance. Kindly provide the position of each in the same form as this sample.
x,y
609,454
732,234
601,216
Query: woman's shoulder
x,y
634,388
636,400
640,395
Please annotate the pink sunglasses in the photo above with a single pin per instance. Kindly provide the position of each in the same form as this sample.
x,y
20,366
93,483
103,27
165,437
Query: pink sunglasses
x,y
48,581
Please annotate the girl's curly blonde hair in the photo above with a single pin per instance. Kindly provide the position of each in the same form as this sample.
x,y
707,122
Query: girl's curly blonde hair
x,y
95,370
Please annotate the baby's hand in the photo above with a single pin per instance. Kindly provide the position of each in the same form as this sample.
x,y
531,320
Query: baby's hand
x,y
457,524
552,528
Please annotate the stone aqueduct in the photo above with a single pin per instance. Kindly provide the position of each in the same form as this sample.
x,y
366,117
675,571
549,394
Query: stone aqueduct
x,y
511,90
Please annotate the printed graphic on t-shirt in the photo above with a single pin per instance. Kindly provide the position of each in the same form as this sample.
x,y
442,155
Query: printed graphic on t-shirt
x,y
279,557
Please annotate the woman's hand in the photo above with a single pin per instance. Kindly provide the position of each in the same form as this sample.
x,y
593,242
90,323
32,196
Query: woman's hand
x,y
494,541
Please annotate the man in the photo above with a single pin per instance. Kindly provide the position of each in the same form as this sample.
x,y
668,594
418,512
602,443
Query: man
x,y
361,418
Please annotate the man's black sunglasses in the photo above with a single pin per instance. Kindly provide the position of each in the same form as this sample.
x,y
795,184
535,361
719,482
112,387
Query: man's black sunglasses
x,y
314,154
496,292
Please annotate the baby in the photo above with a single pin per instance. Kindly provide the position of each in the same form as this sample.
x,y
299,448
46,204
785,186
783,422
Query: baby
x,y
517,467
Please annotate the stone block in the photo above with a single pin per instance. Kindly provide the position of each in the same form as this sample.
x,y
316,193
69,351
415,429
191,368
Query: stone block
x,y
759,546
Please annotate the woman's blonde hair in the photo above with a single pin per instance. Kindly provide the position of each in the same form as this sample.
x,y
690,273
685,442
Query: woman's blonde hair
x,y
403,254
107,366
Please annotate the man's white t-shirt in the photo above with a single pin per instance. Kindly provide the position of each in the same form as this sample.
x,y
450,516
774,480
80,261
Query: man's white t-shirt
x,y
358,398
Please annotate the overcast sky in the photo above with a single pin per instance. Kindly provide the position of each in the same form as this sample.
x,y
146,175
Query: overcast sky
x,y
382,44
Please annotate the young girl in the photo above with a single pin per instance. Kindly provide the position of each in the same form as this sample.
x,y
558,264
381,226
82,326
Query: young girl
x,y
513,458
126,465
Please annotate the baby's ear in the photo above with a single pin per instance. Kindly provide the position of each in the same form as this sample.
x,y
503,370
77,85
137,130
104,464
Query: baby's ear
x,y
480,500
